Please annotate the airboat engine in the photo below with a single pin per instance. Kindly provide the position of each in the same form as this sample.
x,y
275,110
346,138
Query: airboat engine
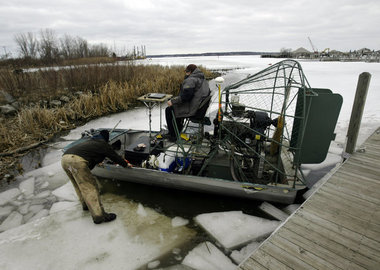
x,y
259,122
248,131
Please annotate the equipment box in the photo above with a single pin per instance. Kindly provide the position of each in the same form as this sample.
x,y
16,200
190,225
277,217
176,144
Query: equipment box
x,y
135,154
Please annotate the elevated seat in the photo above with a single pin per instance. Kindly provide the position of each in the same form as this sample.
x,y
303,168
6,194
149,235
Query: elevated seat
x,y
199,116
195,124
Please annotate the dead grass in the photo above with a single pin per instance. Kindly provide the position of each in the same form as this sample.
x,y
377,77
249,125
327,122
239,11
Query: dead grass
x,y
36,124
88,61
50,83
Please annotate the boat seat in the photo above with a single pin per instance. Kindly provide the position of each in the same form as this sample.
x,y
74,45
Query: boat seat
x,y
195,124
199,116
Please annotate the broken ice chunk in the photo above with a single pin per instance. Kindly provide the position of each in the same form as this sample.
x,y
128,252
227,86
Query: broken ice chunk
x,y
27,186
234,228
12,221
9,195
207,256
178,221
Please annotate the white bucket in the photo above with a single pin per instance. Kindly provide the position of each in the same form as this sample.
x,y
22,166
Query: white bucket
x,y
166,162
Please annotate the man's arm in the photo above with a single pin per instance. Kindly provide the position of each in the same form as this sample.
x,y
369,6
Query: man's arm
x,y
186,93
112,155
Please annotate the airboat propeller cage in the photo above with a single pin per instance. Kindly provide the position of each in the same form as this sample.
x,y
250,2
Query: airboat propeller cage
x,y
305,117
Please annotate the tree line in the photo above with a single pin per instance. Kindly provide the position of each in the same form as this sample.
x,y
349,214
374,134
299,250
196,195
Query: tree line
x,y
48,47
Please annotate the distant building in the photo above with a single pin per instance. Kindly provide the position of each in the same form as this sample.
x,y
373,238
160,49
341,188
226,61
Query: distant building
x,y
364,51
363,54
301,53
338,54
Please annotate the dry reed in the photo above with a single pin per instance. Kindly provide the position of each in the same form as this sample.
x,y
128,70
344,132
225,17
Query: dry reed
x,y
36,124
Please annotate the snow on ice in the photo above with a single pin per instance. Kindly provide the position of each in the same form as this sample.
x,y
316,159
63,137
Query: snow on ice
x,y
130,241
178,221
206,256
9,195
233,229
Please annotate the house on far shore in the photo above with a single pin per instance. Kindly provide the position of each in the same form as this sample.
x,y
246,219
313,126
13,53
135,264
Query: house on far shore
x,y
337,54
301,53
364,51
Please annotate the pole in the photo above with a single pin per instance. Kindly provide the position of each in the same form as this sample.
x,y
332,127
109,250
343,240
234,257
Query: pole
x,y
357,113
220,107
115,127
219,82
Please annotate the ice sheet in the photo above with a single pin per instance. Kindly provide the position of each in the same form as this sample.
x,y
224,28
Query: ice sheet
x,y
234,228
9,195
130,241
206,256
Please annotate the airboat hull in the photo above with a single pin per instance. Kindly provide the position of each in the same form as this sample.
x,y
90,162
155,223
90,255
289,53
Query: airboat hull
x,y
196,183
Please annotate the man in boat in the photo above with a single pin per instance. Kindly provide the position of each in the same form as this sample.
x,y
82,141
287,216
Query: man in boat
x,y
78,161
194,89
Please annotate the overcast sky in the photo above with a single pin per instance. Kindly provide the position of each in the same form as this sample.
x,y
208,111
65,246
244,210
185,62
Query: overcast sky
x,y
197,26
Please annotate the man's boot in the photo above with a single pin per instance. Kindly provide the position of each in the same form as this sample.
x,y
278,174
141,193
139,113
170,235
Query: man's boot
x,y
107,217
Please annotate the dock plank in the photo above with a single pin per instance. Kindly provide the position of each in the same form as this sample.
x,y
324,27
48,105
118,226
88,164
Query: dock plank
x,y
345,236
368,182
283,256
369,195
269,262
321,235
311,246
338,227
350,204
347,220
302,253
252,264
361,170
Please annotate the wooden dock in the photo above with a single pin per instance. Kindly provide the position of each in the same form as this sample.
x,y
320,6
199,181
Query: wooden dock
x,y
338,227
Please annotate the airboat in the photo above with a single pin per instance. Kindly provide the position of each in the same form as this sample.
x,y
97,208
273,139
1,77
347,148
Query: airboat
x,y
264,128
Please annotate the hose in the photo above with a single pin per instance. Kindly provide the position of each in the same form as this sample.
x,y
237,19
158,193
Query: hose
x,y
232,169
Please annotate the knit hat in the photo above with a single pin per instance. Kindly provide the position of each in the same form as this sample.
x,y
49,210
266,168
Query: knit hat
x,y
190,68
105,134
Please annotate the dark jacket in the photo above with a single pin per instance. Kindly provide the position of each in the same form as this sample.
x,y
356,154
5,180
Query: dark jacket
x,y
95,151
194,90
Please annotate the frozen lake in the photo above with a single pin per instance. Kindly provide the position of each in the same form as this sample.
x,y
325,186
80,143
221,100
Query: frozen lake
x,y
184,222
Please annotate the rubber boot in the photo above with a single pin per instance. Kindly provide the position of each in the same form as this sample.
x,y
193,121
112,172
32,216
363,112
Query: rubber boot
x,y
107,217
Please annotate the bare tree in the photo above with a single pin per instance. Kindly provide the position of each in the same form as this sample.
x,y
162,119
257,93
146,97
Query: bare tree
x,y
6,54
33,45
48,45
49,48
81,47
67,47
22,43
285,52
99,50
28,45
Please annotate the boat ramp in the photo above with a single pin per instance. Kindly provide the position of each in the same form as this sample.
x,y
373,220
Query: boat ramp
x,y
338,227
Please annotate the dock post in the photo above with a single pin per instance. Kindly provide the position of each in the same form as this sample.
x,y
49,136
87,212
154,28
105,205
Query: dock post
x,y
357,113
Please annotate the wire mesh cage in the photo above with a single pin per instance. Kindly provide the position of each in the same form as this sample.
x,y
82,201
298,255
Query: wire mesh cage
x,y
262,116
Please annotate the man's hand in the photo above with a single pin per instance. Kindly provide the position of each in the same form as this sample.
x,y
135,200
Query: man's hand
x,y
170,103
128,163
